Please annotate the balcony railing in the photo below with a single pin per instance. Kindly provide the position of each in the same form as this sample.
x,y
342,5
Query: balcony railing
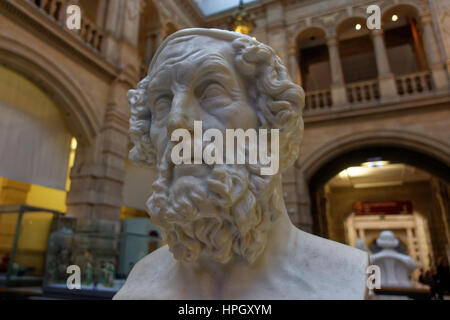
x,y
415,83
318,100
89,33
362,92
367,93
53,8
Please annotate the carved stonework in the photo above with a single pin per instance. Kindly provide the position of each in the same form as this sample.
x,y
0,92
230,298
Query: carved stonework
x,y
133,9
442,10
329,19
227,226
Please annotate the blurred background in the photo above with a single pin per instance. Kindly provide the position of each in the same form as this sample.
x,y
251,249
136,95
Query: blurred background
x,y
375,153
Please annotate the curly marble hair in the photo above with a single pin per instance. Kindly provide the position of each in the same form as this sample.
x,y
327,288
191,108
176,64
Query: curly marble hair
x,y
269,88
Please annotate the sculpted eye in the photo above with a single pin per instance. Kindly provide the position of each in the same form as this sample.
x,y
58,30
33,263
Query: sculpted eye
x,y
214,93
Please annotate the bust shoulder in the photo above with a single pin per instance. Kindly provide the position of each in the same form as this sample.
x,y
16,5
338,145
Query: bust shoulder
x,y
316,268
334,270
144,280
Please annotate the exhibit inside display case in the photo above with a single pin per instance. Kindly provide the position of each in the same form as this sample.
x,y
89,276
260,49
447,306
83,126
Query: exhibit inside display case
x,y
37,246
93,248
24,232
103,254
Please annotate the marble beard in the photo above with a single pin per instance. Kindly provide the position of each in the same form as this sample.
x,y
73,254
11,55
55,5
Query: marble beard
x,y
239,207
226,225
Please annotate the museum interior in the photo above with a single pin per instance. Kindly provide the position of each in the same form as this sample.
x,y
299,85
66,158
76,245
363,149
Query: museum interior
x,y
375,154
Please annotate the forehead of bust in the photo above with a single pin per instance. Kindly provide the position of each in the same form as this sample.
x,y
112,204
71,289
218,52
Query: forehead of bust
x,y
192,50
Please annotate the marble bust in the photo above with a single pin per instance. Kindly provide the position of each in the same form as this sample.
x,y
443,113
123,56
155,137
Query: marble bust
x,y
395,267
227,230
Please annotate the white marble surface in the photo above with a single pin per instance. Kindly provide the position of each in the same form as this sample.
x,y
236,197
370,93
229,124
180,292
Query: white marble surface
x,y
303,267
228,233
395,267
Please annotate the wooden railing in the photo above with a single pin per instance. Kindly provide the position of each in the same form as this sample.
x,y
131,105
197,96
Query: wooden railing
x,y
89,33
414,83
318,100
361,92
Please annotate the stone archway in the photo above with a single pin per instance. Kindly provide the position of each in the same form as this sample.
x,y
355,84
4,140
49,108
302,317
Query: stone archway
x,y
311,37
77,109
394,138
413,149
418,150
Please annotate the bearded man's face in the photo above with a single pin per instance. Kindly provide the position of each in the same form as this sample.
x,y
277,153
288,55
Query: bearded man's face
x,y
218,211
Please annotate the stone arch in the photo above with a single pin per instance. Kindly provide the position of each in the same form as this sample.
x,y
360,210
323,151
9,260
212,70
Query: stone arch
x,y
399,4
299,34
408,15
75,106
310,172
394,138
346,19
310,36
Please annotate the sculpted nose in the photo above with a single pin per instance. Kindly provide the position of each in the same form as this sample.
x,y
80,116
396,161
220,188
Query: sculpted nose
x,y
182,114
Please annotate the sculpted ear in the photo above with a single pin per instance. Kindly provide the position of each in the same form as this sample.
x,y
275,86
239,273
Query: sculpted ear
x,y
143,151
280,101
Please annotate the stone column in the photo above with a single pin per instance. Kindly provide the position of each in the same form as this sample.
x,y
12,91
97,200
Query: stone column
x,y
99,169
111,24
101,12
338,92
275,30
388,89
293,64
433,56
130,22
122,34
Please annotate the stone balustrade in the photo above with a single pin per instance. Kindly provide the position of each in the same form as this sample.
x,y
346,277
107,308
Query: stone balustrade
x,y
368,92
363,92
415,83
89,33
318,100
53,8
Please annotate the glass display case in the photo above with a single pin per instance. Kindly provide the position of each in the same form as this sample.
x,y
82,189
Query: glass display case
x,y
103,254
24,232
37,246
94,249
138,238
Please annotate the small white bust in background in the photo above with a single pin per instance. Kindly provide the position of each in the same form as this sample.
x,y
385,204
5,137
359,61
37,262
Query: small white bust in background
x,y
395,267
228,233
360,244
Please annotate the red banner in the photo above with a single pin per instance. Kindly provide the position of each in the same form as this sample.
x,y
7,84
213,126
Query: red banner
x,y
382,207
